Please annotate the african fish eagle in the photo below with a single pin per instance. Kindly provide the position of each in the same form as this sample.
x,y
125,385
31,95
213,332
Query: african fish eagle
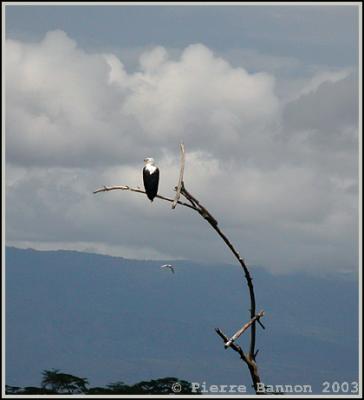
x,y
150,178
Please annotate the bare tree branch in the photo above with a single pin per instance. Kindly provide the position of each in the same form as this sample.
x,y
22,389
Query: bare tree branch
x,y
249,361
260,323
180,180
199,207
212,221
243,329
249,358
234,346
137,190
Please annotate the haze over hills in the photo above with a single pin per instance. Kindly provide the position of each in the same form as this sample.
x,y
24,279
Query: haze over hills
x,y
112,319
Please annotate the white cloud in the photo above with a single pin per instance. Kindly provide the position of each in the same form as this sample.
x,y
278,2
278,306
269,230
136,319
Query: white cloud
x,y
66,106
279,176
324,77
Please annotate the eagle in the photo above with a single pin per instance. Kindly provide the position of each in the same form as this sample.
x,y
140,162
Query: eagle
x,y
150,178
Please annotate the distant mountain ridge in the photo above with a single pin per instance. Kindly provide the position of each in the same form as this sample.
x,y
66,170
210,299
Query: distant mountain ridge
x,y
111,319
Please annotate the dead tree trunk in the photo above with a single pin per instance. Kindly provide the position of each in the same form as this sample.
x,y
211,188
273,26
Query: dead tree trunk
x,y
192,203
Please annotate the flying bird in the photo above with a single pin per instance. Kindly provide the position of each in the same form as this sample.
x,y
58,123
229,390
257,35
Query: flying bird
x,y
150,178
168,266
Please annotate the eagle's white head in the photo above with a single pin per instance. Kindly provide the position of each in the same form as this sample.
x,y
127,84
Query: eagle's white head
x,y
149,161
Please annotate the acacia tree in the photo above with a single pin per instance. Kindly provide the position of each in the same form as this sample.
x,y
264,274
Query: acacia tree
x,y
63,383
191,202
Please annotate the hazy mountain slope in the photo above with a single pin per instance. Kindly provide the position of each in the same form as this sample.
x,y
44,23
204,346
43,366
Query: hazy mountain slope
x,y
110,319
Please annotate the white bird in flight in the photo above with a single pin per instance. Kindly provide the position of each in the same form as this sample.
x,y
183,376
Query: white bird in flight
x,y
169,266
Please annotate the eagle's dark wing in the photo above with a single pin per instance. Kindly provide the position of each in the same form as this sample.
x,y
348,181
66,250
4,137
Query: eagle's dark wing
x,y
151,182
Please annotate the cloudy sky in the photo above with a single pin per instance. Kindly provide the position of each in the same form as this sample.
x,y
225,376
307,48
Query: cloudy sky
x,y
265,99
